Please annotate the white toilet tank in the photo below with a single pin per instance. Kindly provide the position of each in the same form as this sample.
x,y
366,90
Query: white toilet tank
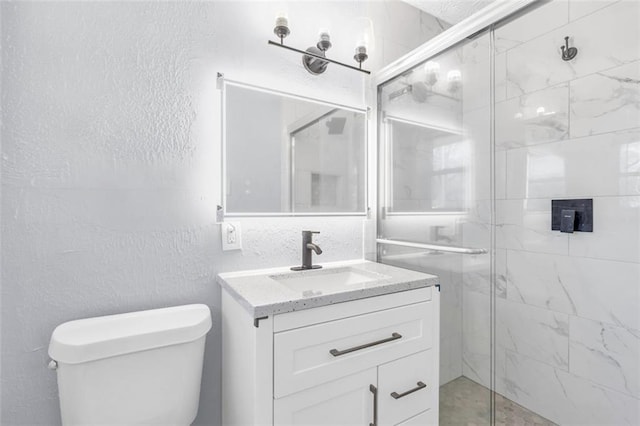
x,y
131,369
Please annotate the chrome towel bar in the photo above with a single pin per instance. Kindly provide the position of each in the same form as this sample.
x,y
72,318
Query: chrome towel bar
x,y
436,247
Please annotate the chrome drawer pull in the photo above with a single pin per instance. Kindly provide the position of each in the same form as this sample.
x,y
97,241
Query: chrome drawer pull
x,y
374,391
394,336
397,395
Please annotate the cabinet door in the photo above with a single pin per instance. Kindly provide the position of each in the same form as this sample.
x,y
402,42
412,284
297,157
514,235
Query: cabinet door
x,y
423,419
347,401
406,388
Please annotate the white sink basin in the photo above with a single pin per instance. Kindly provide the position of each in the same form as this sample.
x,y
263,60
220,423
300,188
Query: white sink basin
x,y
323,281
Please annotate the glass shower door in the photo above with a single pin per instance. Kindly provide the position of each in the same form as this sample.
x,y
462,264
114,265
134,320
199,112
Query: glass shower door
x,y
567,341
435,197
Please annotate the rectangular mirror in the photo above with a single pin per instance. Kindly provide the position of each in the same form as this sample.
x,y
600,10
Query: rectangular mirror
x,y
287,155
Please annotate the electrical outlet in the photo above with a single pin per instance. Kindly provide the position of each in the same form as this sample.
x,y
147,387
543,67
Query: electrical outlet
x,y
231,235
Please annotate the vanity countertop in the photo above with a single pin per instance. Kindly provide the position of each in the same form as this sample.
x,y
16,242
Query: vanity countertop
x,y
271,291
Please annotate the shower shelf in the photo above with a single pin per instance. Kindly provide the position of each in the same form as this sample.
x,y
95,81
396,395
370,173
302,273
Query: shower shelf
x,y
436,247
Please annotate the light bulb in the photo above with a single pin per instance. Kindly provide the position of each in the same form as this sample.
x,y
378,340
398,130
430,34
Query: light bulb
x,y
432,71
324,42
282,26
432,67
454,76
361,53
363,28
282,20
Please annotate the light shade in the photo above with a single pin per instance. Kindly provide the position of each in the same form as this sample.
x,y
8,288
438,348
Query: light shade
x,y
364,34
281,29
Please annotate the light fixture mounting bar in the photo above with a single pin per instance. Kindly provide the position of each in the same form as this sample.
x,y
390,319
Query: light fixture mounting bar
x,y
304,52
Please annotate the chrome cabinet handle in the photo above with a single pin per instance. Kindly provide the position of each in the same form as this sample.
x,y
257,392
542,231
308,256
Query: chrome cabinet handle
x,y
336,352
374,391
397,395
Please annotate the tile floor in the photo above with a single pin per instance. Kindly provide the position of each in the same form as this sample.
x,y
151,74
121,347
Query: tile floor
x,y
463,402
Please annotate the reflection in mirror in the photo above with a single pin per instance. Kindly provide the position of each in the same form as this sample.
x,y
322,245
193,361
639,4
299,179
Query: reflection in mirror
x,y
428,155
429,168
289,155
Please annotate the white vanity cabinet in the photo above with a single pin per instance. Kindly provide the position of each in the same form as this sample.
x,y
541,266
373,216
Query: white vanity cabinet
x,y
372,361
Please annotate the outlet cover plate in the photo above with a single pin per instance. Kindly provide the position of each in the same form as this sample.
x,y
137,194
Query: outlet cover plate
x,y
231,235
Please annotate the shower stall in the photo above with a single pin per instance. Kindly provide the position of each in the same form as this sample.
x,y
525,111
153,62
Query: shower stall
x,y
479,130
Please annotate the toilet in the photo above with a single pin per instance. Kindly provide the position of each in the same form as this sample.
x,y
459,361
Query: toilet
x,y
138,368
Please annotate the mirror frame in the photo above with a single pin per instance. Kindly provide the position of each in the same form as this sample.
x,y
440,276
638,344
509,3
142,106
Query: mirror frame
x,y
223,83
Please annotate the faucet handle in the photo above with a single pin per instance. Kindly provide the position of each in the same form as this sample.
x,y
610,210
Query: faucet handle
x,y
310,232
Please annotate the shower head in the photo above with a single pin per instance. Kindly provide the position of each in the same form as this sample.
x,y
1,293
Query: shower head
x,y
336,125
419,92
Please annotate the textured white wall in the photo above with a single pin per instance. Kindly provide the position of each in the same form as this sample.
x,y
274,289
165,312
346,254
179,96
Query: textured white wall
x,y
110,162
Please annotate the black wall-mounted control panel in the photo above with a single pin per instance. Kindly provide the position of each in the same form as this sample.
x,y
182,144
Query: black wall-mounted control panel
x,y
572,215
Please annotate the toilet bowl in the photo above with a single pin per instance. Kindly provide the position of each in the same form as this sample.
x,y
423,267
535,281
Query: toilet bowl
x,y
138,368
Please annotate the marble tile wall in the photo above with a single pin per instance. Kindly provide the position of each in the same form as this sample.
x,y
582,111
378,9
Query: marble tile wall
x,y
568,317
564,397
606,39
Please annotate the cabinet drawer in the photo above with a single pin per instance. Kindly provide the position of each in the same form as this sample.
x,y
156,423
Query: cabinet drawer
x,y
405,388
308,356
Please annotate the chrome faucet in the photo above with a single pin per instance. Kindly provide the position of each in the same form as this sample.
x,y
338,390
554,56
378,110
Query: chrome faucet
x,y
307,246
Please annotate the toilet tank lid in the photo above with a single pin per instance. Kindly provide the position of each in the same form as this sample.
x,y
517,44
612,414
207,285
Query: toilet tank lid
x,y
101,337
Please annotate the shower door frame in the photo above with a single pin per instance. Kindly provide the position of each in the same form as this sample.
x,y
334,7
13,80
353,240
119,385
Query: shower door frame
x,y
490,15
485,19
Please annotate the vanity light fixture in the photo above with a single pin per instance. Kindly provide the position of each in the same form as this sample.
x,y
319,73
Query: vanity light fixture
x,y
314,58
